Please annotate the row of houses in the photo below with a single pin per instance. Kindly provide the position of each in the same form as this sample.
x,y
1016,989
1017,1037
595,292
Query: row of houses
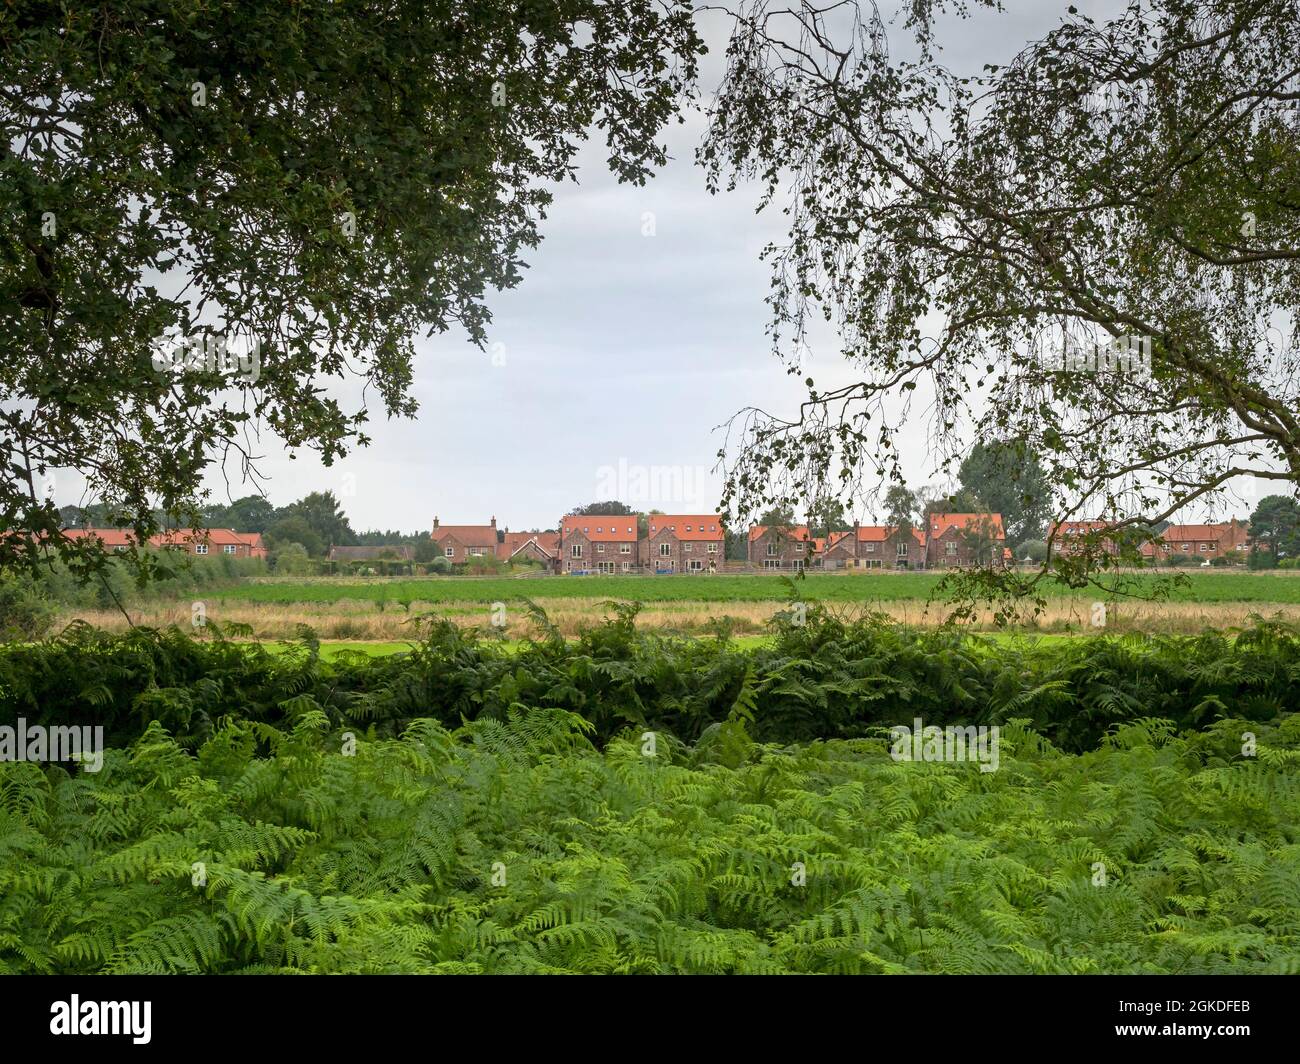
x,y
208,542
1203,542
683,543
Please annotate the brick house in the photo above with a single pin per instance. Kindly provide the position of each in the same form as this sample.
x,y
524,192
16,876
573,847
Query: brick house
x,y
1201,542
684,543
953,540
840,551
888,547
208,542
459,543
1065,534
777,547
533,546
600,543
213,541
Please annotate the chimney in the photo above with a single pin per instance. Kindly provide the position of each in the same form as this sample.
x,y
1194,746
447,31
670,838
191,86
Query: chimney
x,y
494,521
435,522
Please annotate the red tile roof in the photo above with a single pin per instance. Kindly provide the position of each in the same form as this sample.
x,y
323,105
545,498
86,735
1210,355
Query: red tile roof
x,y
688,527
516,541
939,524
880,533
469,535
602,528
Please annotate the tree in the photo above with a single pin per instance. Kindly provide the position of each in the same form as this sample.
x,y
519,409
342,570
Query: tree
x,y
425,550
612,508
900,507
826,515
1127,183
292,559
1008,478
325,516
315,183
252,513
778,517
294,528
1275,528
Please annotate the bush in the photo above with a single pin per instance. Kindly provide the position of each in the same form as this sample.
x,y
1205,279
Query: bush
x,y
25,613
440,565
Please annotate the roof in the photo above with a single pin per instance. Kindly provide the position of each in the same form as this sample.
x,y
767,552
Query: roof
x,y
111,537
470,535
1185,532
940,524
793,531
602,528
688,526
836,538
880,533
549,542
218,536
1077,528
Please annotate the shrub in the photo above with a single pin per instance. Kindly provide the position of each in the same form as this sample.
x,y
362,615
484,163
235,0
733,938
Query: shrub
x,y
25,613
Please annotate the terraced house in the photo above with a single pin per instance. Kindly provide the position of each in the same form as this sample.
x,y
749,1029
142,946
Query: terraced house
x,y
459,543
780,547
965,540
533,546
1202,542
889,547
600,544
685,543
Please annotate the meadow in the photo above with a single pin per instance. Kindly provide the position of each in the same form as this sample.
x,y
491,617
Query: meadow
x,y
381,609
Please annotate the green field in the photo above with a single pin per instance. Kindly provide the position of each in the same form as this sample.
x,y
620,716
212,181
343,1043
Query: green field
x,y
882,587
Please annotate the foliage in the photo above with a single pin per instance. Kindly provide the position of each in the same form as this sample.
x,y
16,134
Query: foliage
x,y
328,180
1119,180
1008,478
511,846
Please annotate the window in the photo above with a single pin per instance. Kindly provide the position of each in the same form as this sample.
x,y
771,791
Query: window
x,y
1187,547
627,567
625,548
798,548
600,547
231,548
713,548
871,548
665,549
771,563
688,528
695,565
200,548
902,549
950,547
713,528
771,549
686,547
476,551
575,551
1205,546
449,552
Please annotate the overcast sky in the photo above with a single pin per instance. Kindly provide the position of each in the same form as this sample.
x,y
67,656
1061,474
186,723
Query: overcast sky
x,y
637,330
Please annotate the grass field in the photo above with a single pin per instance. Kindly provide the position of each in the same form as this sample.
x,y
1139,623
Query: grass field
x,y
857,587
364,610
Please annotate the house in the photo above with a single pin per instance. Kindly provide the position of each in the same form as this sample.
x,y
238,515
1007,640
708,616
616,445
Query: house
x,y
212,541
839,550
600,543
396,552
685,543
113,539
1201,542
889,547
533,546
460,543
964,540
1065,535
780,546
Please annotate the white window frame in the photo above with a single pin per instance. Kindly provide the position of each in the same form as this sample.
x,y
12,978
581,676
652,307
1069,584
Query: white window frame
x,y
665,550
200,548
625,548
231,548
449,552
575,550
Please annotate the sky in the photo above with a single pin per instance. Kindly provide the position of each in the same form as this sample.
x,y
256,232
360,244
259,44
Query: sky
x,y
637,331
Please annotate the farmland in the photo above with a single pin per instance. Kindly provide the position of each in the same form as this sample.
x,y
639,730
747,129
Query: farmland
x,y
378,609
